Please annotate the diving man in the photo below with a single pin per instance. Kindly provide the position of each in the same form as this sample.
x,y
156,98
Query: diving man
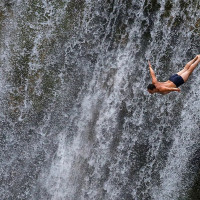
x,y
174,81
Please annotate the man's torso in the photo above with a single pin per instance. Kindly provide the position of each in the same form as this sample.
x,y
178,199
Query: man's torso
x,y
161,85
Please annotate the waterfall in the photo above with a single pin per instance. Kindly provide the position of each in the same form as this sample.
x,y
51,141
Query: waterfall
x,y
76,120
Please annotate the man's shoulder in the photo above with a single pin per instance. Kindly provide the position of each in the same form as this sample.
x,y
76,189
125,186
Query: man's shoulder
x,y
158,84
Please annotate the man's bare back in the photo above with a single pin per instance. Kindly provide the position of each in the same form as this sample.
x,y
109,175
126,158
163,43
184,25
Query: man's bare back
x,y
174,81
166,87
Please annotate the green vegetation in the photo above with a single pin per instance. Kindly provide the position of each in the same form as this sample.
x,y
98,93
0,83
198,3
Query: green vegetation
x,y
184,4
177,21
168,7
196,27
2,17
32,75
194,192
74,11
151,6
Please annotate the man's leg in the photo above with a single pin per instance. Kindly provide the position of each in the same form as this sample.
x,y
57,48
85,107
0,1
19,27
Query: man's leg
x,y
190,68
188,65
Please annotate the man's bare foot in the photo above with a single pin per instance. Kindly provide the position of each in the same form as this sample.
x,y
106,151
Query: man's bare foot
x,y
198,58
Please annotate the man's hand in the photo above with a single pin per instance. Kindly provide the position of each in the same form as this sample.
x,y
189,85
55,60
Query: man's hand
x,y
153,76
172,89
149,64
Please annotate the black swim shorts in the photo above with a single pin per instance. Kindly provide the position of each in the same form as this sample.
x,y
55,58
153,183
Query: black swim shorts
x,y
176,79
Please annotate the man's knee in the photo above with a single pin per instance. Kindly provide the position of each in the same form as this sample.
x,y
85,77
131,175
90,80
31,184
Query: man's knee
x,y
187,66
191,68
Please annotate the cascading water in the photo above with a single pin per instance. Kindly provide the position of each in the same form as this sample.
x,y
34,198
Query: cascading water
x,y
76,120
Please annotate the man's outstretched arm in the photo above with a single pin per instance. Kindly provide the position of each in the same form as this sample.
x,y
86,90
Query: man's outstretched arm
x,y
153,76
170,89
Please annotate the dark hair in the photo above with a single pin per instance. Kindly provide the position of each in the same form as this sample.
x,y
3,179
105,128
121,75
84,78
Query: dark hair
x,y
151,87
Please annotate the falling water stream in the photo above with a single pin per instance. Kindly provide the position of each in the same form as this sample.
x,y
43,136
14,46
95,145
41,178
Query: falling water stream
x,y
76,120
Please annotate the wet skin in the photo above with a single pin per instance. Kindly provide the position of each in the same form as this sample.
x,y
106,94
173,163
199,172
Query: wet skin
x,y
168,86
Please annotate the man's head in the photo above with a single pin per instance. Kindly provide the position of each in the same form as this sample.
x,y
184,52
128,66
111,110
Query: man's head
x,y
151,88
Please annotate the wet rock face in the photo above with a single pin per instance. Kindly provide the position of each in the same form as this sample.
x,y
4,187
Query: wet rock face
x,y
76,120
194,167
